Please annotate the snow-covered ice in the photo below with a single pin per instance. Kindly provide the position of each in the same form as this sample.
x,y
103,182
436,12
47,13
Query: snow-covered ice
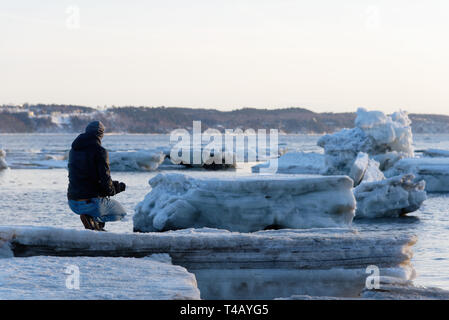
x,y
245,204
287,248
435,171
341,149
230,265
365,170
48,278
387,160
378,197
377,143
373,172
389,198
374,134
359,168
3,164
387,140
295,163
144,160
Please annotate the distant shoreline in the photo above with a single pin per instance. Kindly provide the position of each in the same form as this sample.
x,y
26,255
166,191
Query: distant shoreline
x,y
41,118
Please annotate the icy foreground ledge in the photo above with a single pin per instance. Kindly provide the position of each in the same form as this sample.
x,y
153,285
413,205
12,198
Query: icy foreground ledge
x,y
229,265
117,278
389,198
295,163
321,248
3,164
435,171
245,204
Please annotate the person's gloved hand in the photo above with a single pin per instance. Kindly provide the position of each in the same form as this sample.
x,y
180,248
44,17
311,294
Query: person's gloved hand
x,y
119,186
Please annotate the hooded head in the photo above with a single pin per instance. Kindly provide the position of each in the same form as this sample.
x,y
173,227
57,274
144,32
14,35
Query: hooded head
x,y
96,128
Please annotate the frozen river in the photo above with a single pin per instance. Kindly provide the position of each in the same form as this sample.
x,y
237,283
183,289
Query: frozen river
x,y
31,195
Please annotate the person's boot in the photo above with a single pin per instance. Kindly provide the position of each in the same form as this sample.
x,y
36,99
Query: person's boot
x,y
88,222
100,226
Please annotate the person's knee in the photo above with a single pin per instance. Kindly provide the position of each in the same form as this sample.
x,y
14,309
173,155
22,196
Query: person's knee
x,y
118,207
113,207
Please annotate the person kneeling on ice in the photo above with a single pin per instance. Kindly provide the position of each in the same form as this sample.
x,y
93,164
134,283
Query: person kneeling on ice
x,y
90,183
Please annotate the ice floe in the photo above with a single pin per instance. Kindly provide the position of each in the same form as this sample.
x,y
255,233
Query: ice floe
x,y
359,168
230,265
435,171
143,160
375,134
246,203
389,198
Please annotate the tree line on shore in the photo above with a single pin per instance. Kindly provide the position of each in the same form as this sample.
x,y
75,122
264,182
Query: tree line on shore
x,y
70,118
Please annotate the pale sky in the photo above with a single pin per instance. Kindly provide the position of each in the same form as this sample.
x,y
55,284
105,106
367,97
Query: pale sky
x,y
325,55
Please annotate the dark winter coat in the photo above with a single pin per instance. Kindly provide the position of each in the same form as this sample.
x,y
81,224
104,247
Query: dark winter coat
x,y
89,173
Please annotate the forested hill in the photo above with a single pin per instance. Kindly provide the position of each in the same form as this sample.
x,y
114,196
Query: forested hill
x,y
67,118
